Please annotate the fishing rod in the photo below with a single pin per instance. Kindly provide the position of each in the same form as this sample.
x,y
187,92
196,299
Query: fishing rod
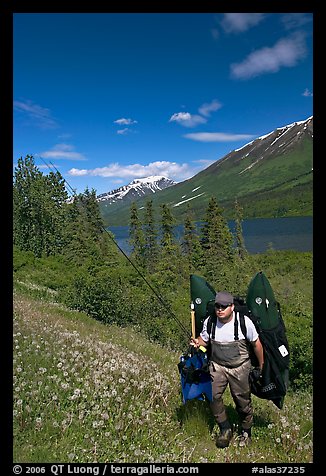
x,y
165,305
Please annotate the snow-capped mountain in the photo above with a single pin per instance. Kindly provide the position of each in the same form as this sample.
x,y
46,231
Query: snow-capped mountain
x,y
136,189
281,140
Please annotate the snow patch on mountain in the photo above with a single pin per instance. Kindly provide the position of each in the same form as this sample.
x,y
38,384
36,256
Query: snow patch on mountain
x,y
188,199
282,130
137,188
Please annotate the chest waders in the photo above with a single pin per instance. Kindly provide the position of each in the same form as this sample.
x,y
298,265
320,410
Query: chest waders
x,y
230,365
229,354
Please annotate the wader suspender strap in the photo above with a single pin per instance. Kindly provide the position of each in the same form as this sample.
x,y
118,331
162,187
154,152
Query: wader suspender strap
x,y
211,325
236,326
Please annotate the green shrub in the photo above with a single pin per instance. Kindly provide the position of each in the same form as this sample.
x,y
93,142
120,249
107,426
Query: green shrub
x,y
300,337
22,259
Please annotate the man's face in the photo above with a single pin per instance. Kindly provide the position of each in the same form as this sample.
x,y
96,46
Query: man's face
x,y
223,312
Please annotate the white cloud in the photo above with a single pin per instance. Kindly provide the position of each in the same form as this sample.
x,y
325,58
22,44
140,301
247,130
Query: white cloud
x,y
125,122
78,172
240,22
204,163
38,115
180,116
62,151
287,52
207,108
216,137
191,120
307,93
295,20
123,132
186,119
172,170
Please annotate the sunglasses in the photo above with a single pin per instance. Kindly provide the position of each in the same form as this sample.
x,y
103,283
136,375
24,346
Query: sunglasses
x,y
221,306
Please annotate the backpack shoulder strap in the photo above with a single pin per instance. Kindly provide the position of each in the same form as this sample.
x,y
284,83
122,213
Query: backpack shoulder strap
x,y
240,310
243,324
211,325
239,317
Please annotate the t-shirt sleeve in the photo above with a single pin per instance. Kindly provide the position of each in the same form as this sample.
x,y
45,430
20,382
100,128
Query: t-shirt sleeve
x,y
204,334
252,333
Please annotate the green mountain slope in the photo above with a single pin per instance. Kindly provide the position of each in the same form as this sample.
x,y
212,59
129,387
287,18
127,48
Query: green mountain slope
x,y
270,177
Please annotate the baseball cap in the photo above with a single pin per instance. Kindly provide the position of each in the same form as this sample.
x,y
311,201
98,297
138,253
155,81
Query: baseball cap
x,y
224,298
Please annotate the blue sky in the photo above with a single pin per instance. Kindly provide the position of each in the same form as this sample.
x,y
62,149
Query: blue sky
x,y
110,97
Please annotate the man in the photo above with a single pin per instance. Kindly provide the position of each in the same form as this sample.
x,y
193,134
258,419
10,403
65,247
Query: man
x,y
230,364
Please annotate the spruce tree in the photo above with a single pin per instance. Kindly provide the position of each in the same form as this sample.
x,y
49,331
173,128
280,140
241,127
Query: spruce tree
x,y
190,244
150,237
39,209
136,236
216,240
167,224
86,235
239,240
75,247
26,175
171,264
56,216
90,209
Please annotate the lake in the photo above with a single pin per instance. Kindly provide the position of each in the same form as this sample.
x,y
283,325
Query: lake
x,y
260,234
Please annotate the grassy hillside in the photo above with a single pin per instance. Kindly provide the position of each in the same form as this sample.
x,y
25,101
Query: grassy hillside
x,y
88,392
281,201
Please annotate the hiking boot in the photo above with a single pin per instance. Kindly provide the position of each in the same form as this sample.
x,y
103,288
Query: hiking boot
x,y
244,439
224,438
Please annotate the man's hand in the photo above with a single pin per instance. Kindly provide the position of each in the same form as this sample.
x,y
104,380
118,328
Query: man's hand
x,y
256,373
195,342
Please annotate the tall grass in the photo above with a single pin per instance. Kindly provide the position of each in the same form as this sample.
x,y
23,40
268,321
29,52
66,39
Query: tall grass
x,y
88,392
